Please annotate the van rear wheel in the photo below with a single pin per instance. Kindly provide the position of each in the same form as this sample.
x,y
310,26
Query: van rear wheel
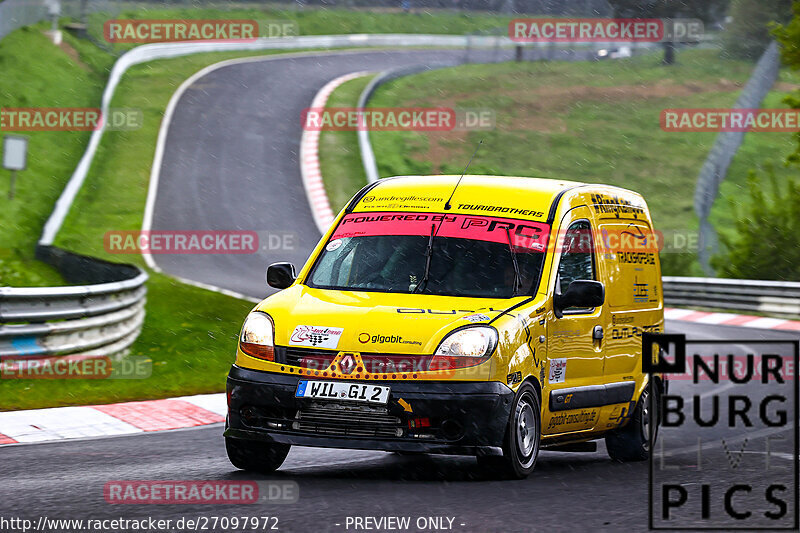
x,y
632,442
521,442
256,456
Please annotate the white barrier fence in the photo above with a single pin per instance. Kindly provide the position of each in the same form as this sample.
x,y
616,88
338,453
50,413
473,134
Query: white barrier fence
x,y
773,298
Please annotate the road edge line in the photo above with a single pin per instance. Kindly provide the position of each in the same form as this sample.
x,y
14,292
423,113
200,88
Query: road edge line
x,y
310,169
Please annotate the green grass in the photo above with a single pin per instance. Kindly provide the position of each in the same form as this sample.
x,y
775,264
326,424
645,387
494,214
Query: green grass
x,y
43,75
340,158
593,122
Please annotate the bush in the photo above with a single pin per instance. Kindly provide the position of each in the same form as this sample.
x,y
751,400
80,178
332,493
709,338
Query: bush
x,y
680,264
764,245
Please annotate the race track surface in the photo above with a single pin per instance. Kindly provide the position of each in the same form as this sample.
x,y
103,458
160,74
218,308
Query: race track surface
x,y
231,163
587,491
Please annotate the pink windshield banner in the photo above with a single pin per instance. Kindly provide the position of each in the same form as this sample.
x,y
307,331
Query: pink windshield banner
x,y
527,235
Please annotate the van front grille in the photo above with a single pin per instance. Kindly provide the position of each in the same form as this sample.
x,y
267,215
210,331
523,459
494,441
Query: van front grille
x,y
347,421
374,363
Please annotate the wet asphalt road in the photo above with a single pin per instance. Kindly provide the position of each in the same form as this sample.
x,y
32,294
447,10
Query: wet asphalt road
x,y
568,491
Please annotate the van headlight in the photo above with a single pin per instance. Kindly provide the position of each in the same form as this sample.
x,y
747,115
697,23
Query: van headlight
x,y
465,347
258,336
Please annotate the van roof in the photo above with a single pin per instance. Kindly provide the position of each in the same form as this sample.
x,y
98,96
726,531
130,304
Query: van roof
x,y
503,196
446,181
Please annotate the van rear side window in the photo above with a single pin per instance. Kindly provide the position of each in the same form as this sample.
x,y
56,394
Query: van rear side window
x,y
632,264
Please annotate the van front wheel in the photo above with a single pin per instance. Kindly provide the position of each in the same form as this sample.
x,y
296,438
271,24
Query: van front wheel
x,y
632,442
521,442
256,456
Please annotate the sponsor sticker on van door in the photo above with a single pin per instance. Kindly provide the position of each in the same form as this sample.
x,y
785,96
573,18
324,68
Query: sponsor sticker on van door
x,y
316,337
558,370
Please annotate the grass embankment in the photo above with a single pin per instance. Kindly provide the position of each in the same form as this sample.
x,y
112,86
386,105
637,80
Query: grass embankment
x,y
38,74
593,122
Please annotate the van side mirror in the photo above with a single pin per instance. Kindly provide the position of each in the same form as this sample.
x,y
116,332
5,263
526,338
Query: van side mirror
x,y
280,275
581,293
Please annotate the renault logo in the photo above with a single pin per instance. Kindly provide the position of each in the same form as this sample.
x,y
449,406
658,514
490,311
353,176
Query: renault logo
x,y
347,364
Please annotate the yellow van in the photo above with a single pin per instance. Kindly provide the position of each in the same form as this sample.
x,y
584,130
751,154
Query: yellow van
x,y
482,315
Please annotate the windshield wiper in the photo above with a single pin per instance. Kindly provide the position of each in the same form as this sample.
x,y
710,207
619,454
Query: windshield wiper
x,y
428,254
516,265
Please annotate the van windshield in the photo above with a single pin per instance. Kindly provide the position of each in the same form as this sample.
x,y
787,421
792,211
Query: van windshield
x,y
471,254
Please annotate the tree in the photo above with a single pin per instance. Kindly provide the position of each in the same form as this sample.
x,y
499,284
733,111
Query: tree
x,y
765,243
705,10
789,36
749,32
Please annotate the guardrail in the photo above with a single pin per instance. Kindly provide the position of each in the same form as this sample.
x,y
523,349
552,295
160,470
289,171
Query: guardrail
x,y
100,318
774,298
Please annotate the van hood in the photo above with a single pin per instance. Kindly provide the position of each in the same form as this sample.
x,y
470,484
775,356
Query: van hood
x,y
373,322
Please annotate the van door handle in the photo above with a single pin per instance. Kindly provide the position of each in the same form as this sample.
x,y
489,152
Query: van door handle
x,y
597,333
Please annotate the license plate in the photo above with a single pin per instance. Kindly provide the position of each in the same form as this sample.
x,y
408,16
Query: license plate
x,y
338,390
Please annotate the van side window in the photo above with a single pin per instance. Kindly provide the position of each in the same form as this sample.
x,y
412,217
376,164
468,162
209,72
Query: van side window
x,y
577,261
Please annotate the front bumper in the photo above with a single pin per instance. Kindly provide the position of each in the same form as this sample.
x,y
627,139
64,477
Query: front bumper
x,y
467,418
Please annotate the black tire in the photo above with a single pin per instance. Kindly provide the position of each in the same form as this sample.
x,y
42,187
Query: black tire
x,y
521,441
256,456
632,442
